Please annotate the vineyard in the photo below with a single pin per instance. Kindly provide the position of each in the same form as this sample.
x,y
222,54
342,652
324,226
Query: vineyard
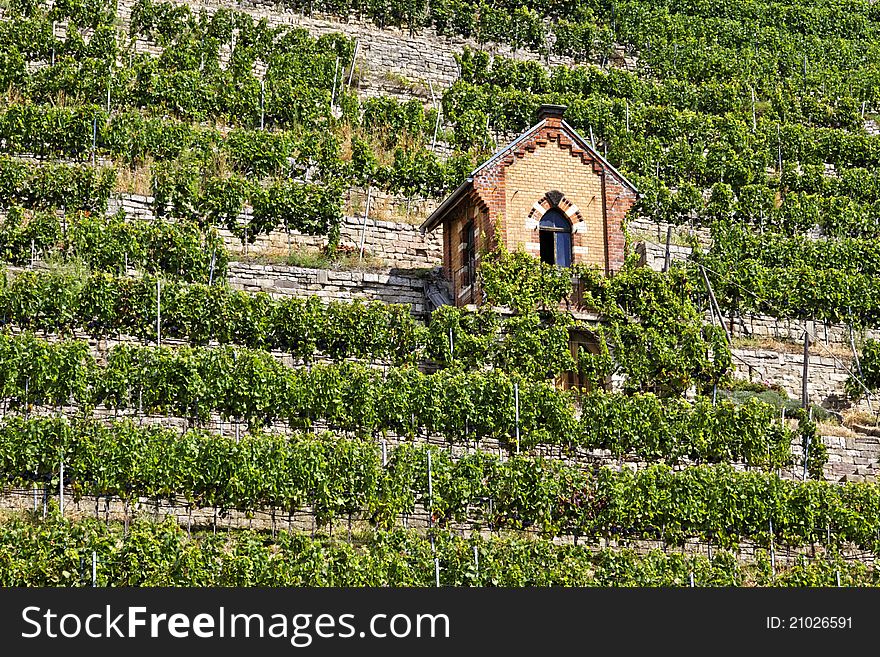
x,y
168,421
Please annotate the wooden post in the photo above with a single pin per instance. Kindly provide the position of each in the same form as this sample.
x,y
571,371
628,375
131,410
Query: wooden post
x,y
667,259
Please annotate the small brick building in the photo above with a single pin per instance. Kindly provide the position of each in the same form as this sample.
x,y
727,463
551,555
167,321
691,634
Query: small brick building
x,y
547,191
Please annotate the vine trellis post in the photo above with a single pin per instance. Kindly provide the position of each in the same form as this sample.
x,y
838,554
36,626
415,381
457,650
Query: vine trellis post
x,y
431,523
364,224
94,139
211,271
805,399
333,92
772,551
436,129
158,312
516,411
262,104
357,45
61,488
754,115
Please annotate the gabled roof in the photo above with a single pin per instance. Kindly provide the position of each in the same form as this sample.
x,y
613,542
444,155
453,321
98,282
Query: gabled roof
x,y
453,199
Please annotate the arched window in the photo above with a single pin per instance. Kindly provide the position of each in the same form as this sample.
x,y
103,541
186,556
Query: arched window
x,y
555,229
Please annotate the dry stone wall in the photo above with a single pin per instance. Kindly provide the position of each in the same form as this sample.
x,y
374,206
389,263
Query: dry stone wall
x,y
397,244
826,375
303,520
282,280
391,61
751,325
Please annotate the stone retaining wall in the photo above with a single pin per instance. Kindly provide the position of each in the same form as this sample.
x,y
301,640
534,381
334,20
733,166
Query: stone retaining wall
x,y
391,61
281,280
751,325
826,375
303,520
398,244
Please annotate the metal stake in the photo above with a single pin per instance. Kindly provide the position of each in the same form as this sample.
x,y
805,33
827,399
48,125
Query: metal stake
x,y
211,272
158,312
436,128
262,104
61,488
516,408
357,45
366,214
333,93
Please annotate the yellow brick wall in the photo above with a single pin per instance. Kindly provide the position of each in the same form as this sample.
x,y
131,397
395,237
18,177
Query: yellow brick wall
x,y
552,167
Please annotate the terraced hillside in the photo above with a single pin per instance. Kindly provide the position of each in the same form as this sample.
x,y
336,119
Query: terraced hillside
x,y
223,359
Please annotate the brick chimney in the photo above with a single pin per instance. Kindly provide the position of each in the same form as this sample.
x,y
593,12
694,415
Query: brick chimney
x,y
552,114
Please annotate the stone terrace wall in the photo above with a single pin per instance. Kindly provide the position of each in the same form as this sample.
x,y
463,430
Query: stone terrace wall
x,y
280,280
400,245
826,376
852,458
391,60
751,325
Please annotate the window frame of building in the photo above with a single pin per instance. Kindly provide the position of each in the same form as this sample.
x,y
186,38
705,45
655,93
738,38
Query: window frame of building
x,y
470,254
554,228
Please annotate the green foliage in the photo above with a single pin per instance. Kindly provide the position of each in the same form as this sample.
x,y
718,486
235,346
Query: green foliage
x,y
828,279
51,552
650,330
657,335
869,374
337,476
252,385
521,282
110,244
71,187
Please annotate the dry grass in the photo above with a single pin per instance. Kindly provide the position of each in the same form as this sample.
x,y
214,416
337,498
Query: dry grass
x,y
315,259
134,180
840,351
855,417
833,429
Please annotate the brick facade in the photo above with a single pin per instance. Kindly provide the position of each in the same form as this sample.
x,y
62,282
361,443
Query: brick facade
x,y
548,167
